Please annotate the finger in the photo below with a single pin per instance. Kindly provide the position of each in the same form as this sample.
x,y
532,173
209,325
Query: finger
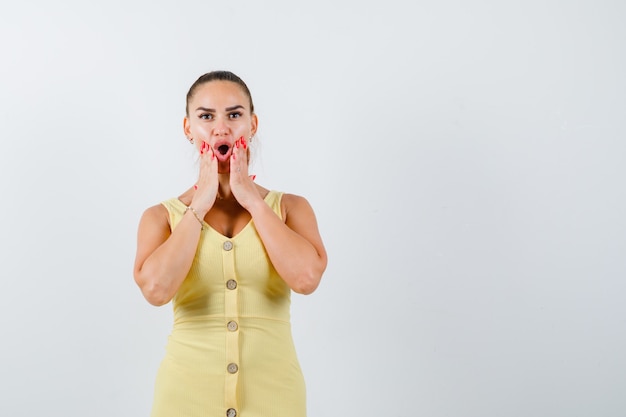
x,y
241,148
234,157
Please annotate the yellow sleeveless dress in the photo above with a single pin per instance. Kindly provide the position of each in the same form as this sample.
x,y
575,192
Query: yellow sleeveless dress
x,y
231,352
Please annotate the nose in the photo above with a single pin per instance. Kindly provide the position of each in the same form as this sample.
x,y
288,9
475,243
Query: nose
x,y
220,127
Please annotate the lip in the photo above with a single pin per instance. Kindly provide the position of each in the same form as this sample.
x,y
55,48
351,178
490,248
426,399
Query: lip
x,y
225,156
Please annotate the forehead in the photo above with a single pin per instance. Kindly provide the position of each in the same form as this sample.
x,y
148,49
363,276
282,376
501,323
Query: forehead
x,y
227,93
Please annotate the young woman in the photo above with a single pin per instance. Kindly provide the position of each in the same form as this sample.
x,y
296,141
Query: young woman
x,y
228,252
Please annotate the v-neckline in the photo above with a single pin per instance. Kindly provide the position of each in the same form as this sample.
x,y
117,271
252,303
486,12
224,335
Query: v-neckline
x,y
224,237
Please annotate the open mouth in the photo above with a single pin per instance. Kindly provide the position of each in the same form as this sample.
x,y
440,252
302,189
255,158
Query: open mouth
x,y
223,149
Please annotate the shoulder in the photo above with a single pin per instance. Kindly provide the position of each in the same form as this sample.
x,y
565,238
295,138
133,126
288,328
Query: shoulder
x,y
156,210
157,215
292,204
293,199
184,198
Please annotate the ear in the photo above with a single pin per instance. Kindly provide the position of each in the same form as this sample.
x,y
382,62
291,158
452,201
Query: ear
x,y
254,124
187,127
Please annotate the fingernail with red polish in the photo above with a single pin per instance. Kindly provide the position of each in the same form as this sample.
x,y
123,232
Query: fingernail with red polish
x,y
252,177
195,186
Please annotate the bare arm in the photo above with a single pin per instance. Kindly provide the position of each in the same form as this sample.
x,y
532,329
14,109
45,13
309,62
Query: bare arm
x,y
164,257
294,246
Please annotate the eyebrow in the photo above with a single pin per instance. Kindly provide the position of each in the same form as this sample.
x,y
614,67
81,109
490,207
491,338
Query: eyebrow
x,y
231,108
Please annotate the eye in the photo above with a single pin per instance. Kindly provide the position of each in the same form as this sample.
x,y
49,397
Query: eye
x,y
205,116
235,115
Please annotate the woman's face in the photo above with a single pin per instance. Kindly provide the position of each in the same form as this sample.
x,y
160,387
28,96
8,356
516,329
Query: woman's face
x,y
219,114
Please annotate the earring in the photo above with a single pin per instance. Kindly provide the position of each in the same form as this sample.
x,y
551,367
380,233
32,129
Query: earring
x,y
190,140
250,140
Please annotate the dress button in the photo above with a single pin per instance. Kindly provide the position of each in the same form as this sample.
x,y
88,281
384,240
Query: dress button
x,y
232,326
228,245
231,284
231,412
232,368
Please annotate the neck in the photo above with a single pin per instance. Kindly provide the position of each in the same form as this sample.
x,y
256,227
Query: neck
x,y
223,191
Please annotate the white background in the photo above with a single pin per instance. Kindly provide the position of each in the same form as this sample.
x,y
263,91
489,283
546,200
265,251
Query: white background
x,y
466,161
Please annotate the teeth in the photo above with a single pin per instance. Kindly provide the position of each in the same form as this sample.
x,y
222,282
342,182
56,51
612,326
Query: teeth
x,y
222,149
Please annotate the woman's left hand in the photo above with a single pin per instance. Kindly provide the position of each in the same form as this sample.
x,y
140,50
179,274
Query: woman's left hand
x,y
241,184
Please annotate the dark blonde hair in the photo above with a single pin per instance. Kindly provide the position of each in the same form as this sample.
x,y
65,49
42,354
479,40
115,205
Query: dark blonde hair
x,y
218,76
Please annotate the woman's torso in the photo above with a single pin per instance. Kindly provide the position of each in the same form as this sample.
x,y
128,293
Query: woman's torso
x,y
231,345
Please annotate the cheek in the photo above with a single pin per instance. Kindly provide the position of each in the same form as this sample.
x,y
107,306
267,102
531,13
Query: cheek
x,y
199,131
242,128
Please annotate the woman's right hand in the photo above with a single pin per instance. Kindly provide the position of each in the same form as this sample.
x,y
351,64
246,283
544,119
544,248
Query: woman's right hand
x,y
207,185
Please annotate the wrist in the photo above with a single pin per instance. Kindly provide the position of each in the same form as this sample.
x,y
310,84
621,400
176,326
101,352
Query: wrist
x,y
200,212
199,208
255,206
199,217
